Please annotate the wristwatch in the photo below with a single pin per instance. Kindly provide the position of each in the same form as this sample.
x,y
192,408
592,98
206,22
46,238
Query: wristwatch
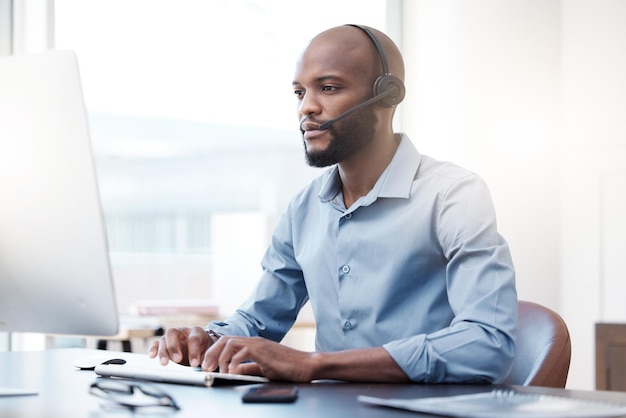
x,y
213,335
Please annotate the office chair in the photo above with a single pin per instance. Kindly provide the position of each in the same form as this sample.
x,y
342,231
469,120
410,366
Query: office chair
x,y
543,348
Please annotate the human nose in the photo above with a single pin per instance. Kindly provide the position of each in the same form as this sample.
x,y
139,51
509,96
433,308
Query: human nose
x,y
309,105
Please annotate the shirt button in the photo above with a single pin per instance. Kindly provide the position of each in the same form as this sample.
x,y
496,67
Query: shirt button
x,y
348,216
347,325
346,269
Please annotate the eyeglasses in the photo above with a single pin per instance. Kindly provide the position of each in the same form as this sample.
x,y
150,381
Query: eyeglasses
x,y
133,396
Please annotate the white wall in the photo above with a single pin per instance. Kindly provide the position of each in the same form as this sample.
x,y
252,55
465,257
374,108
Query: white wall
x,y
593,173
483,91
531,94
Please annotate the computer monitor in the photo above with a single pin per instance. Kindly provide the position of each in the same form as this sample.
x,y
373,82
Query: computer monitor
x,y
55,275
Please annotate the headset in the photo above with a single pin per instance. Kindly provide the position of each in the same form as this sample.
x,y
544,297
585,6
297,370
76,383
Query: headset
x,y
388,89
387,81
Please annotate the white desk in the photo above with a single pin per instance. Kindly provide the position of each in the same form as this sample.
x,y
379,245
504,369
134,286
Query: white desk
x,y
63,392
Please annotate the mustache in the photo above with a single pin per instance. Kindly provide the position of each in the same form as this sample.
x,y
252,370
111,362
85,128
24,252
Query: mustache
x,y
309,124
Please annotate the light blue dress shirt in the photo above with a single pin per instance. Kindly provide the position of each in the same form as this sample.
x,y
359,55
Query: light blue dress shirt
x,y
416,266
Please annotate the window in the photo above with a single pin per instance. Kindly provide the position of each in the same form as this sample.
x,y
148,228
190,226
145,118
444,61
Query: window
x,y
6,38
195,131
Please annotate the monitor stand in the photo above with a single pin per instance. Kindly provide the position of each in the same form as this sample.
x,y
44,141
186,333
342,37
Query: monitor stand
x,y
5,391
10,391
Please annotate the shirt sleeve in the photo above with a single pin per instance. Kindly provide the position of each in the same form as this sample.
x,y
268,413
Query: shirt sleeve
x,y
479,343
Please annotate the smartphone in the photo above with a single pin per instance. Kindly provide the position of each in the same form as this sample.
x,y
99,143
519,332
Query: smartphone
x,y
274,394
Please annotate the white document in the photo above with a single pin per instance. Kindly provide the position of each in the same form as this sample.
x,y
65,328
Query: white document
x,y
509,404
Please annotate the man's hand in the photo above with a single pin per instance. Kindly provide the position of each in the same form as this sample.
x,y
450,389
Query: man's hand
x,y
259,356
262,357
186,346
241,355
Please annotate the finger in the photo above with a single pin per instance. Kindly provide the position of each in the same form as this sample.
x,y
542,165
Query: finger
x,y
240,358
211,355
233,347
162,353
247,368
197,343
171,344
154,349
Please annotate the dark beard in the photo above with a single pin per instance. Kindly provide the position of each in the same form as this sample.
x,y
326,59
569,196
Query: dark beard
x,y
354,133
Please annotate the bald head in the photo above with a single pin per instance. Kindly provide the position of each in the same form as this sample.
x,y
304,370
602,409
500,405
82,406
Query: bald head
x,y
355,44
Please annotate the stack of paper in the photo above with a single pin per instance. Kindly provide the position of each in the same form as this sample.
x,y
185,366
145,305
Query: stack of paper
x,y
509,404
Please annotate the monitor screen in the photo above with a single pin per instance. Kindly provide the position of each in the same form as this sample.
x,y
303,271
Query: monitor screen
x,y
55,275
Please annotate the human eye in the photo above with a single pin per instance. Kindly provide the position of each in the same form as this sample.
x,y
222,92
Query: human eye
x,y
298,92
329,89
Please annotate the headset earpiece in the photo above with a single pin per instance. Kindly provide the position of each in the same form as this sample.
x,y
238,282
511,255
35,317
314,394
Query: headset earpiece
x,y
388,82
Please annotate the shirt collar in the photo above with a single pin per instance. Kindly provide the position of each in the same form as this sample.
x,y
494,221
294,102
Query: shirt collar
x,y
395,182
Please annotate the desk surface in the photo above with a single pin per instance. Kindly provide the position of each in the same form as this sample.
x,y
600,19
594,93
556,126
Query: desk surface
x,y
63,392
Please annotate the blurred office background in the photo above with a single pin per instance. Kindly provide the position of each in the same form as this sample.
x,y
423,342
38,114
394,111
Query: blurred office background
x,y
198,151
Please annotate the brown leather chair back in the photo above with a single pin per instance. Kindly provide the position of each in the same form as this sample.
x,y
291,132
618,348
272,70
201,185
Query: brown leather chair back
x,y
543,348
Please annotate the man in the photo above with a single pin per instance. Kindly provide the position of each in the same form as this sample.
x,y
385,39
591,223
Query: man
x,y
399,254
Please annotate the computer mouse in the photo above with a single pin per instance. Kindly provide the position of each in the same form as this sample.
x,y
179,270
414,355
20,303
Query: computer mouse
x,y
90,362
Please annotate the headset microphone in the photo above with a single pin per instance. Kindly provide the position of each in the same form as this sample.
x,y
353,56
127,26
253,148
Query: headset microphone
x,y
388,89
358,107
